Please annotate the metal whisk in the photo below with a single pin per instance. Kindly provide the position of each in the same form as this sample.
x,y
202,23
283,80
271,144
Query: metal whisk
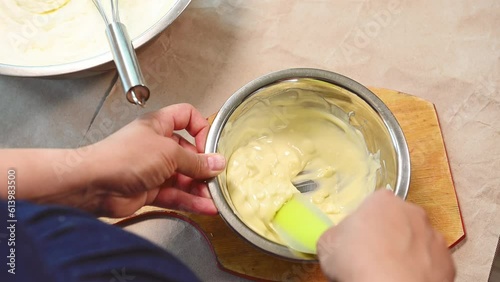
x,y
124,55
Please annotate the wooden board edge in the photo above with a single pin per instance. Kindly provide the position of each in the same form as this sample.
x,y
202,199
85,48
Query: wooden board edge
x,y
464,230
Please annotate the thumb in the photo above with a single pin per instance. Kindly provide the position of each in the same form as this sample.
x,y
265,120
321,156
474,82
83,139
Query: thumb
x,y
325,243
199,166
326,247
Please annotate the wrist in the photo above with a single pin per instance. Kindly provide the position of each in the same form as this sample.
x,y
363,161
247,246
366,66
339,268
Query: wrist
x,y
85,177
74,172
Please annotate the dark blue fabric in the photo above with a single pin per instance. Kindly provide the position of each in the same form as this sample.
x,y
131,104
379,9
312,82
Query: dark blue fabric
x,y
55,243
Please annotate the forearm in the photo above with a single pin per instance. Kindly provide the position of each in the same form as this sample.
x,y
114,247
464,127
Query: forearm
x,y
58,176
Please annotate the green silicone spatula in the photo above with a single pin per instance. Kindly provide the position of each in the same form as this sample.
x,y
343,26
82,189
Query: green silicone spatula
x,y
299,224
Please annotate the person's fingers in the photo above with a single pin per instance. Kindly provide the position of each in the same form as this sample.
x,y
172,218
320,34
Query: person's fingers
x,y
440,250
151,196
187,145
381,196
201,138
187,184
326,248
198,166
180,200
201,189
176,137
190,185
325,243
178,117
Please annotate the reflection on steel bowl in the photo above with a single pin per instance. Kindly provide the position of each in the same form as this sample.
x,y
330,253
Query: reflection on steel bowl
x,y
288,125
67,38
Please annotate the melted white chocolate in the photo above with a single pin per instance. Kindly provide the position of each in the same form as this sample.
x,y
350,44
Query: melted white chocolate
x,y
290,138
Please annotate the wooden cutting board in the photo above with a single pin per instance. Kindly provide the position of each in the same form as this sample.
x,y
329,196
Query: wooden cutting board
x,y
431,187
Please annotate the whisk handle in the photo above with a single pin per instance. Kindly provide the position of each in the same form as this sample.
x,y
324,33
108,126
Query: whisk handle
x,y
127,64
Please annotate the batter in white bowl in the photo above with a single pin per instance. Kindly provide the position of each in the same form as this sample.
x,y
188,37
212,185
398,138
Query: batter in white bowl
x,y
40,32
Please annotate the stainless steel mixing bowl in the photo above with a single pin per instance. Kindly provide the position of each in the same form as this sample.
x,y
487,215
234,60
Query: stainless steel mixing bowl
x,y
99,63
365,111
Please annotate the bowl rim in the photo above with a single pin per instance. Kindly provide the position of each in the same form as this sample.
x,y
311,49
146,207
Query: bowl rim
x,y
97,60
390,122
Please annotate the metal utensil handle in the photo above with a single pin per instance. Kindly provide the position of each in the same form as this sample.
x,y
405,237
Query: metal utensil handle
x,y
127,63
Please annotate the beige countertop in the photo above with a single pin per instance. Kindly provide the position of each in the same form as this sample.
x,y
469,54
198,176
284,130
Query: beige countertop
x,y
447,52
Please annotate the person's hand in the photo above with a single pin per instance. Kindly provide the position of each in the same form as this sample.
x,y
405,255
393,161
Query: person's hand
x,y
385,239
146,163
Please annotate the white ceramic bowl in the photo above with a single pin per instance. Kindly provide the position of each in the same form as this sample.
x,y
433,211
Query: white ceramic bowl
x,y
97,63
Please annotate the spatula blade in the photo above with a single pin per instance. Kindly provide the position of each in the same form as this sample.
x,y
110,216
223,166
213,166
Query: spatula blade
x,y
299,224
